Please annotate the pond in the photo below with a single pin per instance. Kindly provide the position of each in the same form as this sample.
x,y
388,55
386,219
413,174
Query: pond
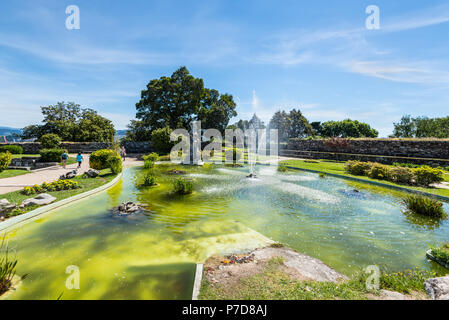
x,y
153,255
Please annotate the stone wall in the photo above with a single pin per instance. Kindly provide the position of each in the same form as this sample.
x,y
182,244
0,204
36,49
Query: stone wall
x,y
84,147
418,151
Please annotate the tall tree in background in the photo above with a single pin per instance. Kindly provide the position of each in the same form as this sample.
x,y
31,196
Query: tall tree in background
x,y
299,125
71,123
348,129
256,123
176,101
281,122
421,127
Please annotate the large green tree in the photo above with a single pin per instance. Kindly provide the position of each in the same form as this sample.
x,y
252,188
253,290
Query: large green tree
x,y
281,122
72,123
348,129
176,101
421,127
291,125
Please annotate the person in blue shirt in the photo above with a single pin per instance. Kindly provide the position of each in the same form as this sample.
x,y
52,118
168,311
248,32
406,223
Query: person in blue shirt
x,y
79,159
64,158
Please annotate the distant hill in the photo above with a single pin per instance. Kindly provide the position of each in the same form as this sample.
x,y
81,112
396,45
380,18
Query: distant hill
x,y
9,133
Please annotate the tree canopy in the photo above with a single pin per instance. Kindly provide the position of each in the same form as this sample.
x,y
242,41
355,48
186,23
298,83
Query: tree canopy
x,y
347,129
421,127
291,125
176,101
72,123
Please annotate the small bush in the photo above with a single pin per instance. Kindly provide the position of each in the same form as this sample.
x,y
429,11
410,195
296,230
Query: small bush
x,y
379,171
402,175
5,160
358,168
148,164
7,267
106,158
322,175
424,206
13,149
149,180
426,175
152,157
282,168
183,186
50,141
51,155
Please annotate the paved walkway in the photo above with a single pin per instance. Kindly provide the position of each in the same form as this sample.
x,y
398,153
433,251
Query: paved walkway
x,y
46,175
51,174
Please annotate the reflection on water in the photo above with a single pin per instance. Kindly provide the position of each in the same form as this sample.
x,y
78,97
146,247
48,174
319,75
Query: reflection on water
x,y
153,256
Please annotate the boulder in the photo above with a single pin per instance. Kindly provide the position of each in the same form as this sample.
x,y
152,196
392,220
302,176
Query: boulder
x,y
6,206
69,175
91,173
4,203
437,288
39,200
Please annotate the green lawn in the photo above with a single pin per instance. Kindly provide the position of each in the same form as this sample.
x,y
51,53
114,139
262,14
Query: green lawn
x,y
338,168
12,173
26,155
85,184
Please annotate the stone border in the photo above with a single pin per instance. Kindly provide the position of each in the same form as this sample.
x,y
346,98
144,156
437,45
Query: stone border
x,y
29,216
380,184
197,282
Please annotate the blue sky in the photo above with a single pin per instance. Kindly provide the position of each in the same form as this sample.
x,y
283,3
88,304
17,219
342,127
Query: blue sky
x,y
313,55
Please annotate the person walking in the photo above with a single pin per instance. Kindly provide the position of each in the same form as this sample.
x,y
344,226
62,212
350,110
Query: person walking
x,y
64,158
123,153
79,159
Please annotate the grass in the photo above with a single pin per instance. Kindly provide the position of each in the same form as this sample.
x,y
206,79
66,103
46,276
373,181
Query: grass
x,y
85,185
338,167
274,284
12,173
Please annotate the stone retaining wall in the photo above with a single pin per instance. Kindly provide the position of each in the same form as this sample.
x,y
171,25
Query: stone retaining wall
x,y
423,151
84,147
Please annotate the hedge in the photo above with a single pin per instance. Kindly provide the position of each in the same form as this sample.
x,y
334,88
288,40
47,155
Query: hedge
x,y
13,149
104,159
51,155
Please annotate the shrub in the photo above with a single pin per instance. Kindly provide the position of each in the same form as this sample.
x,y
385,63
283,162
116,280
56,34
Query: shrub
x,y
402,175
426,175
5,160
424,206
282,168
182,186
50,141
358,168
379,171
152,157
51,155
13,149
160,140
322,175
149,180
148,164
106,158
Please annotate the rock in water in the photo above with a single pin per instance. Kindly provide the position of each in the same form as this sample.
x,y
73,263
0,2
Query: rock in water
x,y
127,208
39,200
437,288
